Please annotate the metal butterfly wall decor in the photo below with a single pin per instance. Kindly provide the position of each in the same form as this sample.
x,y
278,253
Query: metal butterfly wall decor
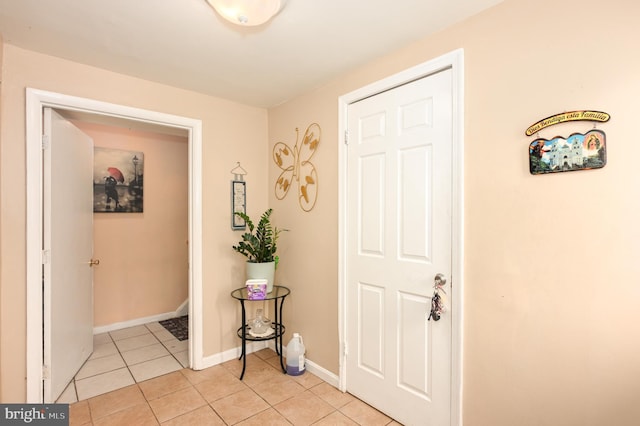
x,y
296,166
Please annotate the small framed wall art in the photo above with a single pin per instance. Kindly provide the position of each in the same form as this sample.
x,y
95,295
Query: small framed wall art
x,y
238,204
118,178
577,152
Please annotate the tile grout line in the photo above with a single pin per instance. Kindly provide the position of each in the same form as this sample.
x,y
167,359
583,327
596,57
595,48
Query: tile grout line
x,y
249,387
127,364
169,350
123,360
119,352
135,381
128,367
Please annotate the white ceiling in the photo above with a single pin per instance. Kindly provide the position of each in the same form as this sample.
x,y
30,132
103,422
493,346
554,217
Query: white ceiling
x,y
184,43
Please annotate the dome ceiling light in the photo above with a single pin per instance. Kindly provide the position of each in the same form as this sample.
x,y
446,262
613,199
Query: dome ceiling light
x,y
247,13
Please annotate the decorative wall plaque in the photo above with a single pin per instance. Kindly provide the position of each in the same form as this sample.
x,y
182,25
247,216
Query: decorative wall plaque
x,y
297,168
578,151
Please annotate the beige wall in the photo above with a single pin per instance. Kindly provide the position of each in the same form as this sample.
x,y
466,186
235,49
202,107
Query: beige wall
x,y
231,132
552,289
144,262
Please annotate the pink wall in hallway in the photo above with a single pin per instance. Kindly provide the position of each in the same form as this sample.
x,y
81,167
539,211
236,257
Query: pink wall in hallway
x,y
143,267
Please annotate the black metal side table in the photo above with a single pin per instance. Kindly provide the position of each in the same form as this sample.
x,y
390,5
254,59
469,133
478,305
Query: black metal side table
x,y
278,294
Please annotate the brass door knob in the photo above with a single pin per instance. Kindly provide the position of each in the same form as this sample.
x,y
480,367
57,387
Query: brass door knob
x,y
94,262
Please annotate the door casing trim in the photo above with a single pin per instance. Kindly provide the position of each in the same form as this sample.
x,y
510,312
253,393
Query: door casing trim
x,y
36,101
454,61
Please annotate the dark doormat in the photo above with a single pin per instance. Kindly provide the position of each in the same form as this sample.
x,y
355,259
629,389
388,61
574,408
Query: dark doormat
x,y
179,327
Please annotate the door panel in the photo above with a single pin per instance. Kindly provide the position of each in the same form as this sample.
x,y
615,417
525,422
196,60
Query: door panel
x,y
413,375
68,240
415,197
399,162
371,332
371,212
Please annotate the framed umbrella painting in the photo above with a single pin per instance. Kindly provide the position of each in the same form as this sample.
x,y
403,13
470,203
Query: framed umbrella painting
x,y
117,181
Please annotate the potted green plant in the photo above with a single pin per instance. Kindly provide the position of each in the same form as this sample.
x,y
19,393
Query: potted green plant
x,y
259,245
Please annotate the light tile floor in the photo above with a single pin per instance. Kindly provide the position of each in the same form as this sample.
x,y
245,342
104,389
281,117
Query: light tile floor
x,y
216,396
124,357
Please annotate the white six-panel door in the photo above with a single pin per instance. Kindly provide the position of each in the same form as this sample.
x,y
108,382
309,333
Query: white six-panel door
x,y
399,186
68,248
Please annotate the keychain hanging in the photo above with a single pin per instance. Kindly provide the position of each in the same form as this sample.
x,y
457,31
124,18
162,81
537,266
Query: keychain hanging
x,y
437,305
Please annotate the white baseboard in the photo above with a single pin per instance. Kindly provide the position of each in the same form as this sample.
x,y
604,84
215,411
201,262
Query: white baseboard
x,y
323,373
219,358
183,309
312,367
133,323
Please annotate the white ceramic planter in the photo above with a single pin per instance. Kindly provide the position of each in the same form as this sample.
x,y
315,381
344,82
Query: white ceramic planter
x,y
266,271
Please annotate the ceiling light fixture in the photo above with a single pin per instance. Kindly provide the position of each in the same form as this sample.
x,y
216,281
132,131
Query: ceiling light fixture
x,y
248,13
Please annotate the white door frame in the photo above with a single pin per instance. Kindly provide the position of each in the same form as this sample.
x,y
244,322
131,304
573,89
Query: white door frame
x,y
36,100
455,61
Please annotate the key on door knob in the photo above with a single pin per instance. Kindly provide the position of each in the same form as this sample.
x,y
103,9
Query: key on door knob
x,y
440,280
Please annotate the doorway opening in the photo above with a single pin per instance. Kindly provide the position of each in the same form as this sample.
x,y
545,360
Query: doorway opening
x,y
140,251
107,113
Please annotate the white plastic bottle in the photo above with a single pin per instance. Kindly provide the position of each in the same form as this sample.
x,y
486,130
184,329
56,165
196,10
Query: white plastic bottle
x,y
295,356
